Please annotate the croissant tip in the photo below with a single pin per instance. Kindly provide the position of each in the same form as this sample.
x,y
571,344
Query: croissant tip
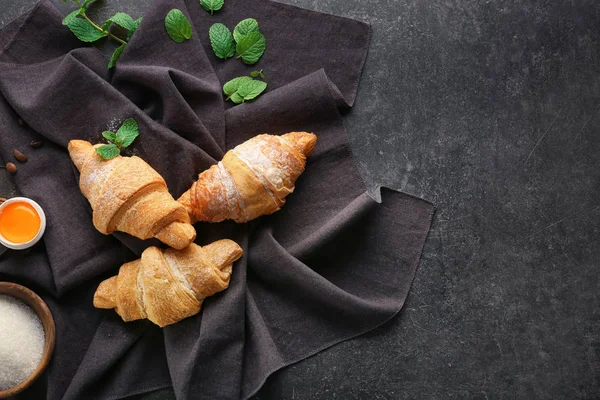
x,y
224,252
106,294
177,235
78,150
304,142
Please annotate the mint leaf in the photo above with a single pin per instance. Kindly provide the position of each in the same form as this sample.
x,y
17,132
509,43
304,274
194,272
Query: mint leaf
x,y
251,89
177,25
244,27
123,20
71,17
135,27
236,98
108,151
243,88
110,136
127,132
212,5
106,24
84,30
251,47
233,85
256,74
115,56
221,41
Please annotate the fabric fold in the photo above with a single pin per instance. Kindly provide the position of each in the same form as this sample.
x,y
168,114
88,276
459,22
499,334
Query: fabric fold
x,y
332,264
120,353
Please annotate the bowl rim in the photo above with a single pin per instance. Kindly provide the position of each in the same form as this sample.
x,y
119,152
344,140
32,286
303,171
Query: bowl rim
x,y
25,245
41,309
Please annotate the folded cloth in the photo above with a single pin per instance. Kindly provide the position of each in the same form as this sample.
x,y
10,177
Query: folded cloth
x,y
332,264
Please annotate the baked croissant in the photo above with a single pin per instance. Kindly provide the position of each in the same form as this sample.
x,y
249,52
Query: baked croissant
x,y
168,286
128,195
253,179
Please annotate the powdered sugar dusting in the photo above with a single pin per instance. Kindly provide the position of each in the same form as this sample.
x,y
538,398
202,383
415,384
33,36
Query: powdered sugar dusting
x,y
114,124
254,152
258,173
233,195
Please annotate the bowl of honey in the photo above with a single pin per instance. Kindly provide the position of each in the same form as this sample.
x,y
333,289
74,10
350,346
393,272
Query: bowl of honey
x,y
22,223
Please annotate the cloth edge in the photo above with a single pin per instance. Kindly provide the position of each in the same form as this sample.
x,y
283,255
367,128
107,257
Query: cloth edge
x,y
29,13
355,335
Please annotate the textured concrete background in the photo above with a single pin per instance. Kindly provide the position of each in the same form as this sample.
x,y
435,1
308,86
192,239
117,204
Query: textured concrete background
x,y
490,110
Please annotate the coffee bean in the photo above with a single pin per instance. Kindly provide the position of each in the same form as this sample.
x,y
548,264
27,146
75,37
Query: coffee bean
x,y
19,156
10,167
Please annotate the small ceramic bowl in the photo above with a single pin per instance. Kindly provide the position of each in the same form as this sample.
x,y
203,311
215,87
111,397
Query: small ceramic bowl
x,y
41,309
38,209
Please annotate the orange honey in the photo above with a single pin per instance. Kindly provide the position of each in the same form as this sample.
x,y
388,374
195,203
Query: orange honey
x,y
19,222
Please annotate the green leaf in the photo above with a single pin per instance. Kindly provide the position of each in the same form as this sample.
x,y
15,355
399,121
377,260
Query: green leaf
x,y
251,47
243,88
71,17
136,26
127,132
212,5
84,30
251,89
244,27
233,85
110,136
221,41
123,20
177,25
115,56
106,24
236,98
256,74
108,151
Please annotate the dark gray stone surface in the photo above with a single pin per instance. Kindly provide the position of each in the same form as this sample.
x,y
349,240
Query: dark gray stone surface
x,y
490,109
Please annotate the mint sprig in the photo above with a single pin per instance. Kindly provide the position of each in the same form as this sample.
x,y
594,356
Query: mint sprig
x,y
243,88
250,46
124,137
256,74
88,31
108,151
177,25
221,41
212,5
250,43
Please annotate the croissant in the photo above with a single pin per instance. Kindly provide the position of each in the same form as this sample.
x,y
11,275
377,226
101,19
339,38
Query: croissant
x,y
127,195
168,286
253,179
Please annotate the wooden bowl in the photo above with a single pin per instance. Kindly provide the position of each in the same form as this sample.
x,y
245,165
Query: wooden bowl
x,y
41,309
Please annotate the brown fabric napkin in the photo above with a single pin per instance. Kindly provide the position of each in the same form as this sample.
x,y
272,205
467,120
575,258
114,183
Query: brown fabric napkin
x,y
332,264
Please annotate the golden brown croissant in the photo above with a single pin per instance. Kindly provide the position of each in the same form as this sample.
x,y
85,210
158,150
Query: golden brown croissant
x,y
168,286
252,180
127,195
